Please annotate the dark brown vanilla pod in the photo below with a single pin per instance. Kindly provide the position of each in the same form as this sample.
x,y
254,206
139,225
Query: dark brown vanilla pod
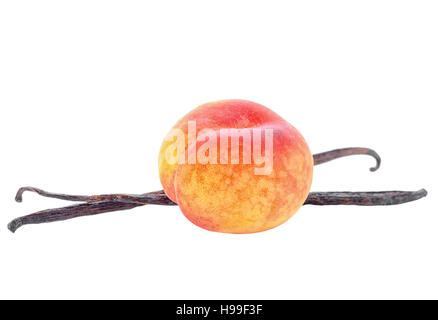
x,y
339,153
96,204
374,198
125,202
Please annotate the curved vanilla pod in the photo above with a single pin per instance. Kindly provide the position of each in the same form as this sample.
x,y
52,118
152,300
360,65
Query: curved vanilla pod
x,y
96,204
339,153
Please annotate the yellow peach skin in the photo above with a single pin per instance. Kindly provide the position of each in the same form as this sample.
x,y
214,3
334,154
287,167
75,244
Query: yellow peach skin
x,y
232,198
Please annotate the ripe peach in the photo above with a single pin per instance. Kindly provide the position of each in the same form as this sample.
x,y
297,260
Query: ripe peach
x,y
238,195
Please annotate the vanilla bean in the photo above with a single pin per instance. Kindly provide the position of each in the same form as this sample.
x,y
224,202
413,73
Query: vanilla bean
x,y
339,153
70,212
379,198
159,198
96,204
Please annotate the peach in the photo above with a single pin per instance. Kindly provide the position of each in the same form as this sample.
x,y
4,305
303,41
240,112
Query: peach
x,y
222,189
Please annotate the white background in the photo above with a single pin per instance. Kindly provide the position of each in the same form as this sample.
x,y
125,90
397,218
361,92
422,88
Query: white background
x,y
88,89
